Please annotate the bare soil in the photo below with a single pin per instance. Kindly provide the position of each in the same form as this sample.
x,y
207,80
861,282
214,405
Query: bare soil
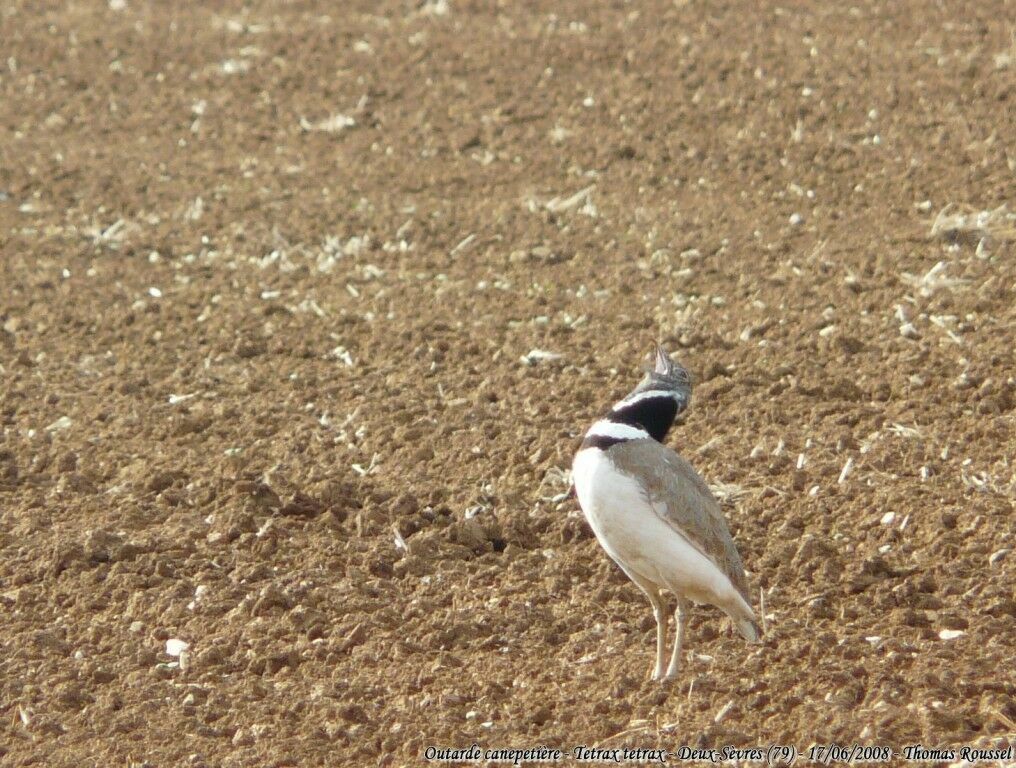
x,y
271,274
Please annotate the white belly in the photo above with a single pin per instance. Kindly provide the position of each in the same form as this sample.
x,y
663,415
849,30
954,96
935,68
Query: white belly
x,y
636,537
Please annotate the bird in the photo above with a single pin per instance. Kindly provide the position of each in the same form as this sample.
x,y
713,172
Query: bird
x,y
655,516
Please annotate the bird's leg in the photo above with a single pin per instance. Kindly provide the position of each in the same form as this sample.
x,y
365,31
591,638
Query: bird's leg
x,y
660,614
680,619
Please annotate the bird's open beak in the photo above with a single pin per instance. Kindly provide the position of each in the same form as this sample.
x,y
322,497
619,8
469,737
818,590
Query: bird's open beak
x,y
664,365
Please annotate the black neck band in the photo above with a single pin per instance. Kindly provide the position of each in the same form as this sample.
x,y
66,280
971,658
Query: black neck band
x,y
653,414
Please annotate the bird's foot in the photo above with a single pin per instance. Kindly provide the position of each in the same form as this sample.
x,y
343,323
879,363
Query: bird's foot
x,y
671,674
659,676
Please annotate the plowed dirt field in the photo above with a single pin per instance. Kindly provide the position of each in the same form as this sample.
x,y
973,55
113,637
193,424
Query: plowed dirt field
x,y
306,305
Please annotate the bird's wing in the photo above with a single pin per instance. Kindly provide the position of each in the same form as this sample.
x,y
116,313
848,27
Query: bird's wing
x,y
682,499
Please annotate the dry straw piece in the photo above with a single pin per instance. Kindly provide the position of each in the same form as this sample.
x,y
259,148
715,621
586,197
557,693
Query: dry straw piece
x,y
956,222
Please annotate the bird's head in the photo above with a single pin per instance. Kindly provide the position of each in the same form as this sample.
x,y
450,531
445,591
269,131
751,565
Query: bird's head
x,y
663,374
660,397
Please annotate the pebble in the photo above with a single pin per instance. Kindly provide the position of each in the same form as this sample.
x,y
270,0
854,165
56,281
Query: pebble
x,y
175,646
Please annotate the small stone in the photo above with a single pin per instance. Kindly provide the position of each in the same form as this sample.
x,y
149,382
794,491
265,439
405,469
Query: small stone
x,y
166,671
471,534
269,598
175,646
102,546
249,348
356,636
210,657
242,738
68,462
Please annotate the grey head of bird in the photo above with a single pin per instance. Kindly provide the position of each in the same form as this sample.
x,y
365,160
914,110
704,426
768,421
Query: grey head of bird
x,y
665,375
659,398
